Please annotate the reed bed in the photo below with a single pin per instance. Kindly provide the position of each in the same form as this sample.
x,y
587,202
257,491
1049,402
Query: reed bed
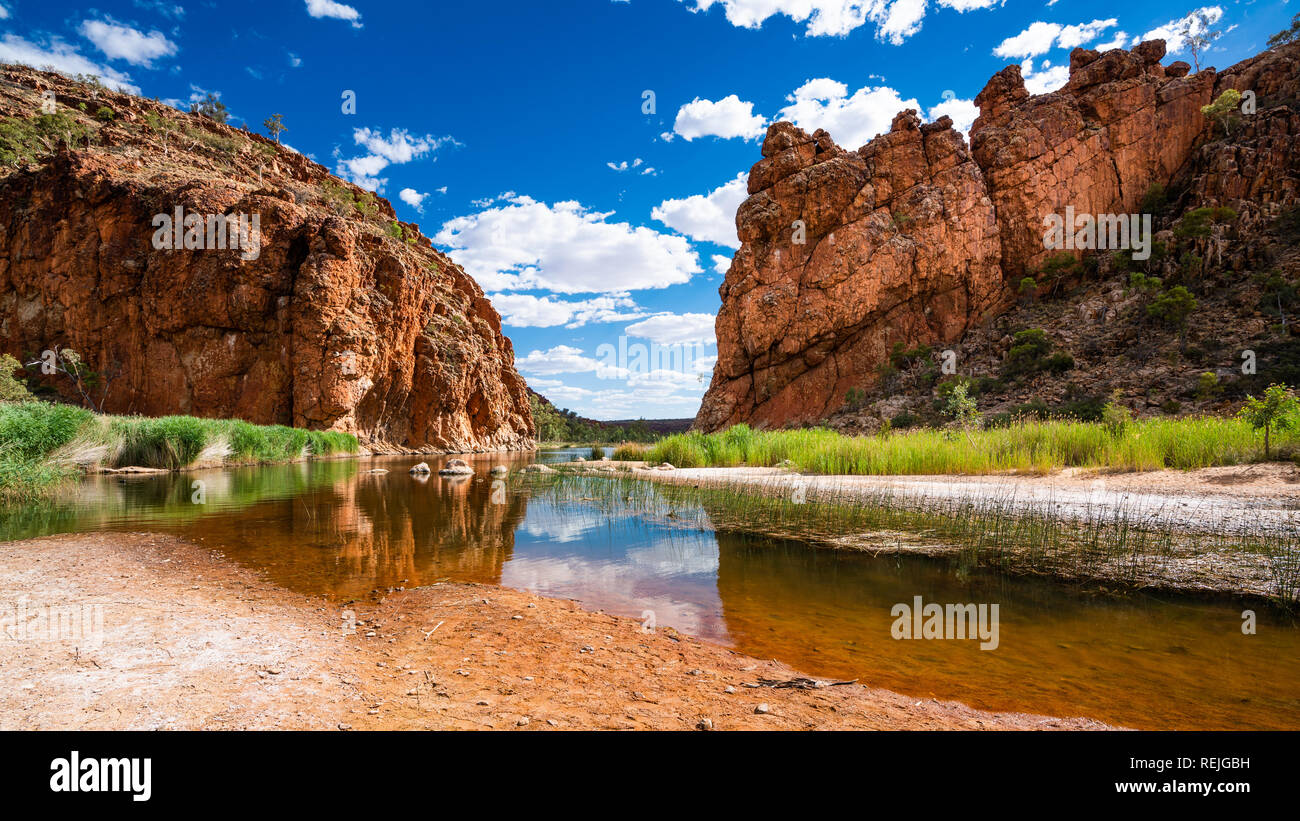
x,y
1108,543
1025,446
43,444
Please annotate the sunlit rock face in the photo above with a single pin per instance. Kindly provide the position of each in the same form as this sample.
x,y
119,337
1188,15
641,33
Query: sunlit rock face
x,y
335,316
917,238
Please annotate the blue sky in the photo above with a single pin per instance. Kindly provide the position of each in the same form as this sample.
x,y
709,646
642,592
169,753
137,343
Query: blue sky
x,y
517,134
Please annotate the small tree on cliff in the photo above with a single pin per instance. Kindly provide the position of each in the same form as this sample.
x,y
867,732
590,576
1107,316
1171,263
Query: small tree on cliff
x,y
1286,35
1173,307
275,126
1198,35
1225,111
211,107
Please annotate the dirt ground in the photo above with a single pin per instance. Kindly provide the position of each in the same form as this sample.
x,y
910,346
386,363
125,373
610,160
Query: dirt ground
x,y
190,640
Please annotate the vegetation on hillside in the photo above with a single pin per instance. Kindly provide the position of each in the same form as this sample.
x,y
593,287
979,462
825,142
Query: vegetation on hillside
x,y
560,425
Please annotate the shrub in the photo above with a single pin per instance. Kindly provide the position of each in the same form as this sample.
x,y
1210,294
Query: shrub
x,y
105,114
1115,416
11,388
1276,411
1225,111
1207,386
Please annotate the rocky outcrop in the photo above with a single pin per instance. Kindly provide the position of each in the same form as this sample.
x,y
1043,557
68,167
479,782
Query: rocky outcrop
x,y
339,317
1120,124
844,253
916,239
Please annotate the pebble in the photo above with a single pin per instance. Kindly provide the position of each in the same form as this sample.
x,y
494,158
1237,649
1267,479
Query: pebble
x,y
729,690
523,722
552,722
345,726
761,709
705,724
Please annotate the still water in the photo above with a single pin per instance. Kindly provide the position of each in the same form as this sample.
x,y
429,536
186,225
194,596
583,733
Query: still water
x,y
330,528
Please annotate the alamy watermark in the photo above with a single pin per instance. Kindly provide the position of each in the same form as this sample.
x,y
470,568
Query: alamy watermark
x,y
633,359
946,621
26,622
1088,232
208,232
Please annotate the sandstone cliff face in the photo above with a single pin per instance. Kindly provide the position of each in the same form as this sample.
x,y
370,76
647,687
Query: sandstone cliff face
x,y
914,239
900,243
344,320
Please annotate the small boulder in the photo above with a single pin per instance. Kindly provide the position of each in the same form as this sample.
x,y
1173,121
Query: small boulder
x,y
499,470
456,467
537,467
420,469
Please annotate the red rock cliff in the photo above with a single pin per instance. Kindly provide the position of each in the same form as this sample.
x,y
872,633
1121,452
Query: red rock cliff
x,y
915,238
345,319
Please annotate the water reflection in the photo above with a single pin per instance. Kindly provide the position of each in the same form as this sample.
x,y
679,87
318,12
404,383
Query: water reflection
x,y
336,529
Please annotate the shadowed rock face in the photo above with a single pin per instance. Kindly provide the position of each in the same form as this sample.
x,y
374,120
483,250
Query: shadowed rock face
x,y
915,238
335,324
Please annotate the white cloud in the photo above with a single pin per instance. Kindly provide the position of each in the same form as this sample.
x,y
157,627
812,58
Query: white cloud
x,y
4,13
1171,32
721,264
1049,78
675,329
962,112
624,165
397,148
63,57
1121,37
1077,35
523,244
528,311
706,217
119,42
567,359
894,20
851,121
726,118
1042,37
294,60
335,11
898,20
412,198
1035,40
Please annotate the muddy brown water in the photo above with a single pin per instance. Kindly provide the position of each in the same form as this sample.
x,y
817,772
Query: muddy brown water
x,y
331,529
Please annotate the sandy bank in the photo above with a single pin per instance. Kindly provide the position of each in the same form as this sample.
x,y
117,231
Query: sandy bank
x,y
191,640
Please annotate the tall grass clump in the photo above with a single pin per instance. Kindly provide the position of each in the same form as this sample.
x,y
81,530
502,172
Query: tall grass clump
x,y
630,452
1029,446
42,444
29,432
168,442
